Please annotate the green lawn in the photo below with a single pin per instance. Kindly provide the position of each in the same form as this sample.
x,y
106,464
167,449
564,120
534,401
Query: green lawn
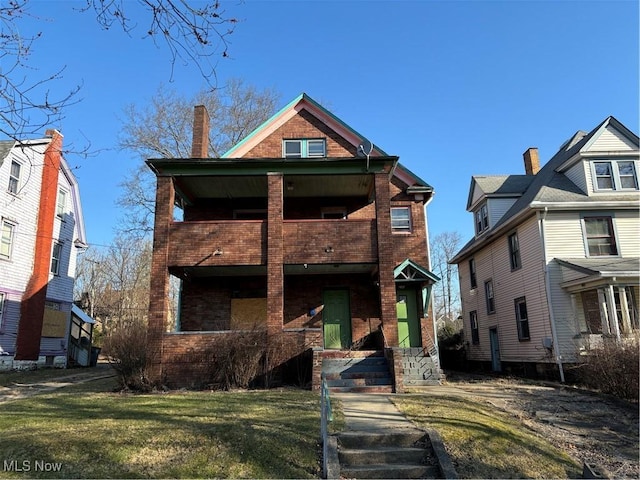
x,y
100,434
484,442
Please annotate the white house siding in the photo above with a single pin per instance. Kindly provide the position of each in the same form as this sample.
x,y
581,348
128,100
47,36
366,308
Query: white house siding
x,y
611,140
21,209
579,175
627,227
497,208
528,281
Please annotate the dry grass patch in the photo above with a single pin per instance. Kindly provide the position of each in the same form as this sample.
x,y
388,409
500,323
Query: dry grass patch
x,y
260,434
486,443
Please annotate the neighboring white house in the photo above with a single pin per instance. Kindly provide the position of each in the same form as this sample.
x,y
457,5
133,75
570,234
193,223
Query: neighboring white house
x,y
554,263
41,231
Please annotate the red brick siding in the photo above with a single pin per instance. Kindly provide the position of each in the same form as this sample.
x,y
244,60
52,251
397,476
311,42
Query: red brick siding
x,y
275,255
241,243
303,125
352,241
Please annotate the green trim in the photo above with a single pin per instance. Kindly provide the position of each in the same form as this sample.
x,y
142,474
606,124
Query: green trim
x,y
416,178
245,167
425,275
291,104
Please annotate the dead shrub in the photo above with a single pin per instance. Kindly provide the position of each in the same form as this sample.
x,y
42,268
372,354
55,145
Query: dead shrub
x,y
126,349
247,359
613,368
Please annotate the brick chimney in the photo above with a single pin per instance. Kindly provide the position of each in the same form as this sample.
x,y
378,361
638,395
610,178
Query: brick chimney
x,y
200,144
531,161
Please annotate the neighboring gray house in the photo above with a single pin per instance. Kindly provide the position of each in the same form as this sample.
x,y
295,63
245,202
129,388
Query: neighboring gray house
x,y
554,263
41,230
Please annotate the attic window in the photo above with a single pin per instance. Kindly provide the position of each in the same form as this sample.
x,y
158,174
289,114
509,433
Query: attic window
x,y
482,218
304,148
615,175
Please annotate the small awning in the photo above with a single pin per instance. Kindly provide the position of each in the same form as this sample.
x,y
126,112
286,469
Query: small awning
x,y
588,273
410,271
78,312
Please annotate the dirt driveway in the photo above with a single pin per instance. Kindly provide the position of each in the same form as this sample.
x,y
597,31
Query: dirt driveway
x,y
597,429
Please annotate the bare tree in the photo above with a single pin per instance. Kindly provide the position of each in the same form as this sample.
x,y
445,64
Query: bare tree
x,y
193,35
162,129
446,296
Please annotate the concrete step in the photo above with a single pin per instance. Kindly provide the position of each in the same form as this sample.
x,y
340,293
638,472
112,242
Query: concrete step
x,y
352,353
421,382
341,363
345,374
363,389
359,382
389,438
386,455
390,471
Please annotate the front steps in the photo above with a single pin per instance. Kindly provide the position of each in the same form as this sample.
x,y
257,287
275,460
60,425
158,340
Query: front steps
x,y
420,369
365,371
399,454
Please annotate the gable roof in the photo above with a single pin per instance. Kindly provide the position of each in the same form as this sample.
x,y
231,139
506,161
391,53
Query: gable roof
x,y
301,102
550,186
5,148
498,186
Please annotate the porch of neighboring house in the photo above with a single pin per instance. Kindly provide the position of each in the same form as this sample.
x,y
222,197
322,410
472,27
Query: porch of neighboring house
x,y
604,296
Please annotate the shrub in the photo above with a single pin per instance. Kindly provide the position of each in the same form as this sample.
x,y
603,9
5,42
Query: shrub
x,y
612,368
126,349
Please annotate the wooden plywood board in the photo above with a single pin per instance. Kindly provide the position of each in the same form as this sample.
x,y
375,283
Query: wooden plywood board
x,y
248,313
54,323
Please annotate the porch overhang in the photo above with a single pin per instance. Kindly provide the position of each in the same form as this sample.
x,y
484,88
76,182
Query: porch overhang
x,y
409,271
591,273
218,178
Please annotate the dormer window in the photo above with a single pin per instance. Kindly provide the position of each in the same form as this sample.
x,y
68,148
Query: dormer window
x,y
482,219
304,148
614,175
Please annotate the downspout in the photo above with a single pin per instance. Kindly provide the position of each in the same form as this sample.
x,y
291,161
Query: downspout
x,y
547,285
430,294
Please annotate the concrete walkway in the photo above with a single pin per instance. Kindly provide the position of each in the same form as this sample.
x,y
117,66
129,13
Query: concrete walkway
x,y
371,413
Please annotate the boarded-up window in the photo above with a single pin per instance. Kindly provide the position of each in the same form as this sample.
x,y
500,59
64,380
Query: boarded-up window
x,y
248,313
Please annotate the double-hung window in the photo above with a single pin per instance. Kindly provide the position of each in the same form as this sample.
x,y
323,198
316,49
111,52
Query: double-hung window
x,y
514,252
304,148
488,292
614,175
56,255
482,218
472,273
522,318
61,206
14,177
401,219
7,233
475,332
599,236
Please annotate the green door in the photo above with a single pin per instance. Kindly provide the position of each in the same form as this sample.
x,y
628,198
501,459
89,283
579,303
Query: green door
x,y
336,319
408,322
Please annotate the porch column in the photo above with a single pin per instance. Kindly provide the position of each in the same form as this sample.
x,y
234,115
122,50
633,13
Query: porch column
x,y
275,254
624,309
604,314
611,309
159,283
385,261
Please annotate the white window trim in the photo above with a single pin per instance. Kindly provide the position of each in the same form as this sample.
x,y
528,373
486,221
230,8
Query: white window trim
x,y
519,320
514,253
58,258
402,229
492,297
19,182
12,238
615,175
304,147
484,219
61,207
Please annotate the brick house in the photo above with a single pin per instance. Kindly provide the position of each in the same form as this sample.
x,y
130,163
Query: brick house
x,y
304,229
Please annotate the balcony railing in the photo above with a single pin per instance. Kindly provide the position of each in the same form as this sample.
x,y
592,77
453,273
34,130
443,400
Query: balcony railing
x,y
244,242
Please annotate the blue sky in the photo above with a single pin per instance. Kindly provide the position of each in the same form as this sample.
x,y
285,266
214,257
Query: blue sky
x,y
454,88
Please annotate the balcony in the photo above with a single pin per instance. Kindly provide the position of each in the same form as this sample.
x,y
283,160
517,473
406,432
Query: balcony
x,y
217,243
330,241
